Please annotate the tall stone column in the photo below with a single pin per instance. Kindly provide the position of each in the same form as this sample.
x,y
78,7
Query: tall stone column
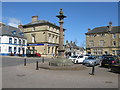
x,y
61,38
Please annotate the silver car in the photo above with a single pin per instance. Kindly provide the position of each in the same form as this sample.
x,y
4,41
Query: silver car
x,y
91,61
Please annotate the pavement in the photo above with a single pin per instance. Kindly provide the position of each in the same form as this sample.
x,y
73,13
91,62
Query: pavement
x,y
20,76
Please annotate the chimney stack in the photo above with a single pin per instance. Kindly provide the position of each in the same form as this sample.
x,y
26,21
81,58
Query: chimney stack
x,y
110,26
66,41
74,43
34,18
2,24
20,27
88,29
110,23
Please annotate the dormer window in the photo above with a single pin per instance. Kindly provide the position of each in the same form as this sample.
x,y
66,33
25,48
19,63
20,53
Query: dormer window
x,y
21,34
14,32
113,36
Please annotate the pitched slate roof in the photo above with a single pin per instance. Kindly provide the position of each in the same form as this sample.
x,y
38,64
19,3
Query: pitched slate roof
x,y
105,29
40,22
9,31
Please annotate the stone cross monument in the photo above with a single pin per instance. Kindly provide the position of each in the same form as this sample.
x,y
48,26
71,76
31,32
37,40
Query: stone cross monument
x,y
61,38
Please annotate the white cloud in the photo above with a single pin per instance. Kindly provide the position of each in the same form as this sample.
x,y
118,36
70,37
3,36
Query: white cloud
x,y
13,22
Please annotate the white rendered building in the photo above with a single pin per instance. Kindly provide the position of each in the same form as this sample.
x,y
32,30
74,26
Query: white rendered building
x,y
12,41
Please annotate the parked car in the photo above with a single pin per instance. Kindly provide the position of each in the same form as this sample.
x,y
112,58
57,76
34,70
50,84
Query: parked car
x,y
108,60
115,68
73,58
91,61
80,59
38,55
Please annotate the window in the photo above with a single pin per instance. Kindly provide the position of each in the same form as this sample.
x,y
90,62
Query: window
x,y
15,41
21,34
52,49
56,39
20,41
113,36
48,49
33,39
15,50
23,42
101,42
113,51
14,32
19,49
95,51
91,43
33,29
114,43
99,51
10,49
10,40
102,35
53,38
49,40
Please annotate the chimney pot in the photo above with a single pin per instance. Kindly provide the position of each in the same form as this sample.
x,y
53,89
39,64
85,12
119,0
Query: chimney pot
x,y
34,18
88,29
110,23
66,41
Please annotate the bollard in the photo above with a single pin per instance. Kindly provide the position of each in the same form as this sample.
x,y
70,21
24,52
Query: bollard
x,y
43,59
25,62
37,68
93,70
109,65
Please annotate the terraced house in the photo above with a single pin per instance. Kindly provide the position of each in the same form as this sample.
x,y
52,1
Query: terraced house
x,y
12,41
42,36
103,40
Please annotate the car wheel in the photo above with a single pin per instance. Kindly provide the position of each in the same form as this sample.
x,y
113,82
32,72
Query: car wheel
x,y
77,62
102,65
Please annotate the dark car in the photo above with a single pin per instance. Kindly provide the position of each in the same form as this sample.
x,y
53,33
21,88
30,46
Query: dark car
x,y
115,68
108,61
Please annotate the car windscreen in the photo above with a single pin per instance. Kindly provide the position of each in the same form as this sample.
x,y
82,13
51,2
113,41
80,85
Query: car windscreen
x,y
73,56
91,58
109,58
80,56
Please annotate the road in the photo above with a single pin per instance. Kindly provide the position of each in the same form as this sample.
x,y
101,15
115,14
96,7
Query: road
x,y
16,75
14,61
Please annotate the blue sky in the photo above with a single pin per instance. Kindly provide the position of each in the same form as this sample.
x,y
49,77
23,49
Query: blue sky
x,y
80,15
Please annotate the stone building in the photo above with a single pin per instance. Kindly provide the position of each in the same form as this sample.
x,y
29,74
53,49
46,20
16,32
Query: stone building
x,y
12,41
72,49
42,36
103,40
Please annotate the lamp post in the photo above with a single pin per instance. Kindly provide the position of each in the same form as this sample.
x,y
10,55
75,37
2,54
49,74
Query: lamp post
x,y
61,38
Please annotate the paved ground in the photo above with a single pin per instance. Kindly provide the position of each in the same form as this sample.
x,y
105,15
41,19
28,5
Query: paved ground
x,y
19,76
8,61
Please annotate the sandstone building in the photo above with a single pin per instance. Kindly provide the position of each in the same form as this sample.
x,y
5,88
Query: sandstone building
x,y
42,36
72,49
103,40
